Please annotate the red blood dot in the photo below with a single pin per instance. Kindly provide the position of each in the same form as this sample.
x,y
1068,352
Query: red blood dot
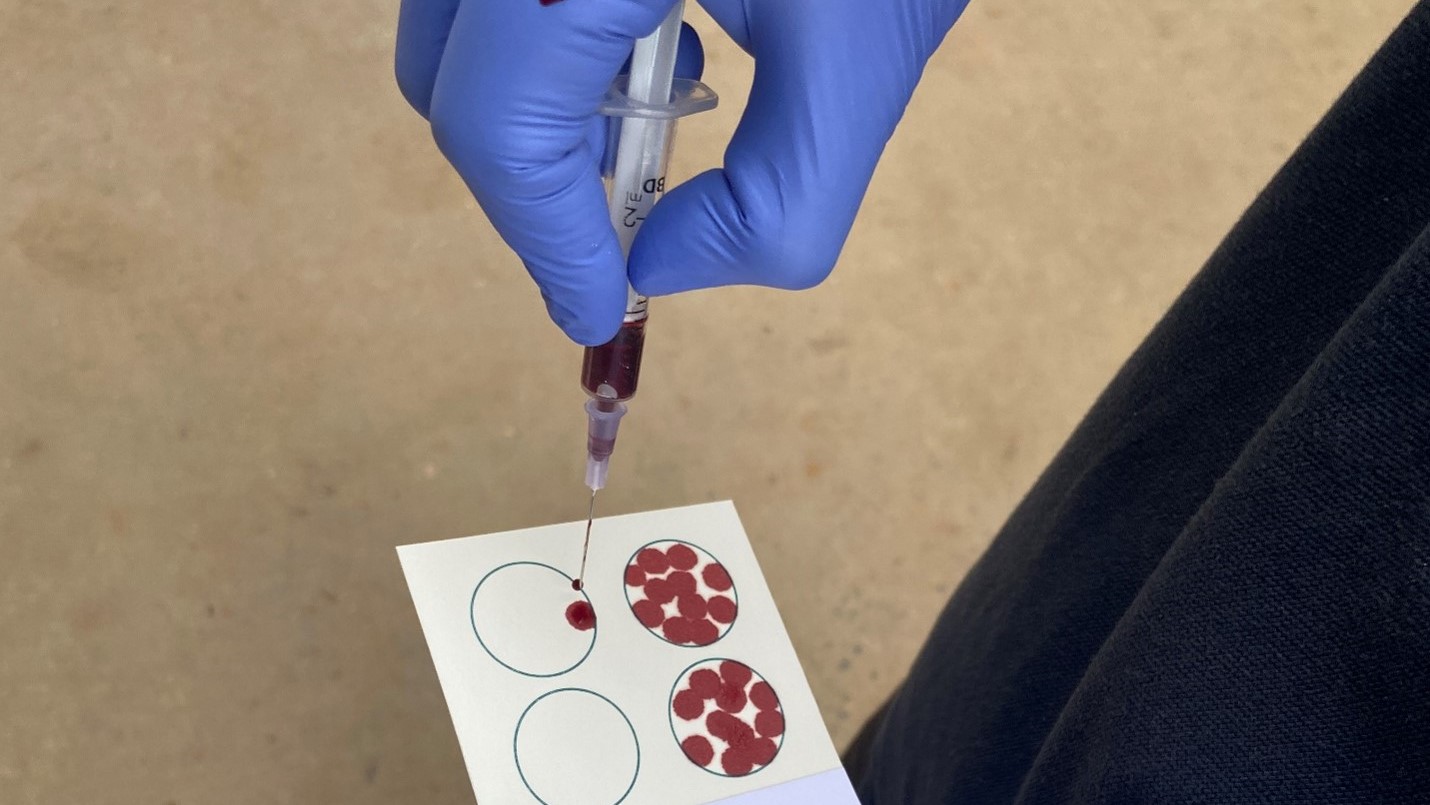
x,y
677,630
736,673
576,584
731,698
705,682
681,582
635,577
762,751
649,613
764,696
715,576
653,560
770,723
659,591
681,556
688,705
736,762
692,606
581,616
698,749
721,609
703,632
722,725
742,735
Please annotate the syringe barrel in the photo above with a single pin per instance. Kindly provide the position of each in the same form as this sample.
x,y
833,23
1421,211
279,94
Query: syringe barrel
x,y
636,184
642,141
641,109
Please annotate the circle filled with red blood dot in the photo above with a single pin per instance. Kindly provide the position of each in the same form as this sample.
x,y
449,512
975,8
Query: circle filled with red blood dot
x,y
681,593
726,718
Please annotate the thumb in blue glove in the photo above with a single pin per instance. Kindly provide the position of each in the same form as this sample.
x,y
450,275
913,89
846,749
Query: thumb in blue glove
x,y
832,80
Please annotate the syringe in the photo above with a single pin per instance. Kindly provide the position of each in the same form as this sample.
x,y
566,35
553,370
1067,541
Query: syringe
x,y
643,108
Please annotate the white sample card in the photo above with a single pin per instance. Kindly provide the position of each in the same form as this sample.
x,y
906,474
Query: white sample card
x,y
668,679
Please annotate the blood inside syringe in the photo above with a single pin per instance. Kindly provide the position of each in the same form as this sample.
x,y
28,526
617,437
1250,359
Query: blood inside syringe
x,y
610,372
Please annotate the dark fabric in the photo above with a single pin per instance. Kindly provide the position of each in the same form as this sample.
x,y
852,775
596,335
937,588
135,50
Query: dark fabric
x,y
1219,592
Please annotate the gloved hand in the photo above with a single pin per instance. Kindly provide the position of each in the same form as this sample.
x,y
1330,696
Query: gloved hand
x,y
511,88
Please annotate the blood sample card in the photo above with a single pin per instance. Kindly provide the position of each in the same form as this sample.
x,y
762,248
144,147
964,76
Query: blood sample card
x,y
667,679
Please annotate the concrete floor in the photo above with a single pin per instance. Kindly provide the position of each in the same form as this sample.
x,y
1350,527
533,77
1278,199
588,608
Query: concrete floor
x,y
255,334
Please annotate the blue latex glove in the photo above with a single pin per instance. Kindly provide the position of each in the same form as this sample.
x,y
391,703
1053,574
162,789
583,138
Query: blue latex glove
x,y
512,87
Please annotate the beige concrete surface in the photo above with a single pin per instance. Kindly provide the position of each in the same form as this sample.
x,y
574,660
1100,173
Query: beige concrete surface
x,y
253,334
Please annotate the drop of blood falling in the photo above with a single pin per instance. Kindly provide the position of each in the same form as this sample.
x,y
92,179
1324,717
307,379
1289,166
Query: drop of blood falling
x,y
581,616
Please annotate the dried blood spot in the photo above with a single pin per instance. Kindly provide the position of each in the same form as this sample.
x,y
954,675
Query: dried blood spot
x,y
744,736
705,682
581,616
721,609
726,727
635,577
681,556
652,560
763,696
698,749
692,606
659,591
736,673
681,582
688,705
762,751
715,576
649,613
677,630
731,698
770,723
703,632
736,763
730,729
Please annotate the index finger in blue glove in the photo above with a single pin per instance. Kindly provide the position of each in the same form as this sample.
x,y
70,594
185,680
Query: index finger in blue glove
x,y
513,109
831,83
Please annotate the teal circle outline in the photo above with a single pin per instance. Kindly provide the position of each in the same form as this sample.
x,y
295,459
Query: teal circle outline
x,y
472,616
631,607
670,717
516,758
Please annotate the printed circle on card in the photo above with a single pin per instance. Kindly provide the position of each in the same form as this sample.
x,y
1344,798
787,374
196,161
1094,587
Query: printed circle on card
x,y
530,620
681,593
575,747
726,718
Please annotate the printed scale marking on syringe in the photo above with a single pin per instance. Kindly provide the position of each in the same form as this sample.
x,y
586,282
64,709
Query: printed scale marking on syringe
x,y
652,188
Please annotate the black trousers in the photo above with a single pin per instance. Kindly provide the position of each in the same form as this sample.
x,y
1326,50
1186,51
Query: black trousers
x,y
1219,591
